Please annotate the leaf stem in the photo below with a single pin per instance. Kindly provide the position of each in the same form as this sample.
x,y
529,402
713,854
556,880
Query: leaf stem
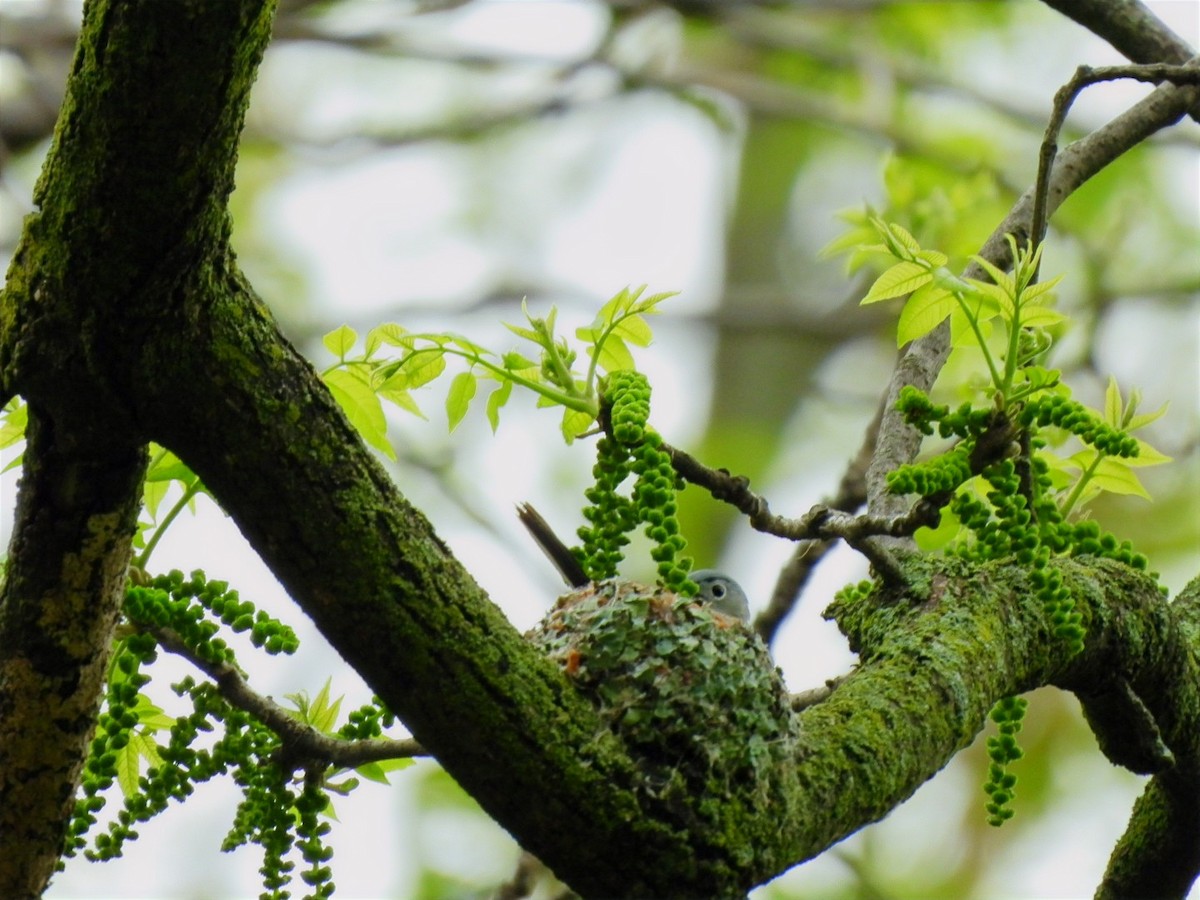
x,y
189,492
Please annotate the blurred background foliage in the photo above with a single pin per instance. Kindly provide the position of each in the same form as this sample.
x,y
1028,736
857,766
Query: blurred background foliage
x,y
433,163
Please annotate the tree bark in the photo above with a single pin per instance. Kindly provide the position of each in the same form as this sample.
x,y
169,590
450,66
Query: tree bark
x,y
126,320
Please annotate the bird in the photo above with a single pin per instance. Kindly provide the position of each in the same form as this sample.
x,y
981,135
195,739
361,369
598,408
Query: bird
x,y
717,589
722,593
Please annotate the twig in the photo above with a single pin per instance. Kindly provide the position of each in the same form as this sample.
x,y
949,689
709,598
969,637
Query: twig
x,y
850,496
1085,76
301,743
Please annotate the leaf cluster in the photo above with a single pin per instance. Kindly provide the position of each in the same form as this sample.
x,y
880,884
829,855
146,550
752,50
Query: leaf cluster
x,y
361,381
274,813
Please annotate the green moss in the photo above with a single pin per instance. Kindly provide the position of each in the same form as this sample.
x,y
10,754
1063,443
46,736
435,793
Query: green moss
x,y
693,694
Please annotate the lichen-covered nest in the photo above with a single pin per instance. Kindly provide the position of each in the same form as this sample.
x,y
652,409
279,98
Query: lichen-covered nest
x,y
693,694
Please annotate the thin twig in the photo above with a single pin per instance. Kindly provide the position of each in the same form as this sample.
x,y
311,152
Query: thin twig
x,y
1085,76
302,744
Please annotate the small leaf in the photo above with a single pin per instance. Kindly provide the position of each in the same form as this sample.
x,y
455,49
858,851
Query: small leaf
x,y
128,769
901,236
462,389
900,279
931,539
387,333
169,467
634,330
1115,476
515,362
1042,292
496,399
923,312
372,771
15,419
1147,456
613,355
1144,419
322,714
1041,317
401,398
417,369
1113,408
340,341
362,407
575,423
524,333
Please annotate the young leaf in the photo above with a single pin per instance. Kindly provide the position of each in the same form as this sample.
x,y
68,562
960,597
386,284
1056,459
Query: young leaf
x,y
322,714
900,279
1042,292
462,389
362,407
13,422
128,768
401,398
575,423
340,341
923,312
613,355
899,241
1113,407
417,369
1115,476
496,399
931,539
387,333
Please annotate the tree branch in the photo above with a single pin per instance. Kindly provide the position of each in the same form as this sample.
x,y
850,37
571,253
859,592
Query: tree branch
x,y
1130,26
923,359
302,743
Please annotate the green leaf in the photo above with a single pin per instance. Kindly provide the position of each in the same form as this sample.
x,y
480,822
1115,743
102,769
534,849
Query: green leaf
x,y
372,771
401,398
933,539
496,400
518,364
634,330
377,771
151,718
898,236
1147,456
168,467
1140,421
1115,476
923,312
462,389
999,276
362,407
1041,317
524,333
417,369
340,341
13,422
900,279
1042,292
128,768
1113,407
322,714
387,333
613,355
575,423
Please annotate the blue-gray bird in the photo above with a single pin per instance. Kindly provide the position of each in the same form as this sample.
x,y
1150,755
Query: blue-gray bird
x,y
723,593
716,588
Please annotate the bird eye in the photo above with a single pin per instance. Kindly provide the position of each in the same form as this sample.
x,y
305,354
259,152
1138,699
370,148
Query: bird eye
x,y
718,591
